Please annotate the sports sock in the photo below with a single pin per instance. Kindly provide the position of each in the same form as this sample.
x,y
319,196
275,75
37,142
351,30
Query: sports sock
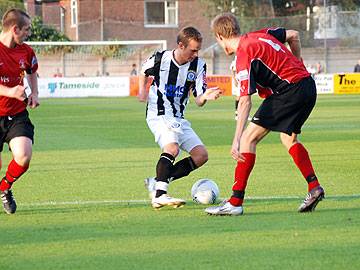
x,y
14,171
164,169
242,172
183,168
236,104
237,198
303,162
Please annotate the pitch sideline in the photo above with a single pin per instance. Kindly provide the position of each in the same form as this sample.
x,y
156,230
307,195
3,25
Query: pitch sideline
x,y
129,202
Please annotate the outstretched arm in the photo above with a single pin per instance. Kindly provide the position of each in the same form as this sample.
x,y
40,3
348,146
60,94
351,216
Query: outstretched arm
x,y
210,94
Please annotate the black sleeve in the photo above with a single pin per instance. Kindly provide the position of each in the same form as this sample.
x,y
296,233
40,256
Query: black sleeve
x,y
278,33
154,70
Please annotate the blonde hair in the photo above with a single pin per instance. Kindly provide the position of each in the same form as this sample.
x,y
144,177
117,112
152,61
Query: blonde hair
x,y
225,25
188,33
16,17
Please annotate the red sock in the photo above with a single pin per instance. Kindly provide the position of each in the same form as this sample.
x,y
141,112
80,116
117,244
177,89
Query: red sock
x,y
14,171
242,172
303,162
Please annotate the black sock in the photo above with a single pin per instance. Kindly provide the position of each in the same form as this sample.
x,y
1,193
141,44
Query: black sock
x,y
183,168
164,169
236,104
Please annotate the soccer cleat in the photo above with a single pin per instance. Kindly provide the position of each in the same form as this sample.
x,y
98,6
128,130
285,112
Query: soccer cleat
x,y
150,186
312,199
8,201
225,209
166,200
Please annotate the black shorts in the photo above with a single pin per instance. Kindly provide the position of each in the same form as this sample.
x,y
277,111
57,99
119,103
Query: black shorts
x,y
288,110
15,126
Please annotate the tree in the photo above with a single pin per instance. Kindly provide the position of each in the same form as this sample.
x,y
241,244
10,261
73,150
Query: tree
x,y
41,32
7,4
240,8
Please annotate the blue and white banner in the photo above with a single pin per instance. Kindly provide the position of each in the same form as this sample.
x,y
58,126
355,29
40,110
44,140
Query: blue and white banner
x,y
84,87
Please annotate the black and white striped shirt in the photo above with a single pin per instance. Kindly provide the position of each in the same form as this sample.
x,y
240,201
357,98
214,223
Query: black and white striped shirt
x,y
169,93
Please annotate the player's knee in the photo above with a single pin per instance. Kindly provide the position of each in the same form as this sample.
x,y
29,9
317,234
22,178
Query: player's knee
x,y
248,138
288,140
172,150
203,158
200,156
23,160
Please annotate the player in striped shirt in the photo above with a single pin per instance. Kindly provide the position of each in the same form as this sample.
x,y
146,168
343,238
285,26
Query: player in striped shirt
x,y
176,74
17,60
264,65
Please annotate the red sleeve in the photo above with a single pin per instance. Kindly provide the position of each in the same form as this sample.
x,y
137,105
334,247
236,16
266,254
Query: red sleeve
x,y
264,30
243,74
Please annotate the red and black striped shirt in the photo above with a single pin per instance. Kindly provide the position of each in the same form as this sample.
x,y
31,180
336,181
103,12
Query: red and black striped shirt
x,y
265,65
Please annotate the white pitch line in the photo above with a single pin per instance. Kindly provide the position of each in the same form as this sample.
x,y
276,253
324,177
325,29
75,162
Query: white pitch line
x,y
266,198
53,203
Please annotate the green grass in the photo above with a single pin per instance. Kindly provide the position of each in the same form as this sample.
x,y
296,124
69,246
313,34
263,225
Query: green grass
x,y
82,205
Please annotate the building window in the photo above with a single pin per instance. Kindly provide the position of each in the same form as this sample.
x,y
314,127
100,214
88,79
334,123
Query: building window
x,y
74,13
161,13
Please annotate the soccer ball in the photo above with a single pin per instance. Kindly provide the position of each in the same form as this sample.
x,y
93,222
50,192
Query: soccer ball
x,y
205,191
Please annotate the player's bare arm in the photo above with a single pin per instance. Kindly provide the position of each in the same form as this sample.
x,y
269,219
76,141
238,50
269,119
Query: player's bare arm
x,y
293,39
17,92
33,99
143,94
244,108
212,93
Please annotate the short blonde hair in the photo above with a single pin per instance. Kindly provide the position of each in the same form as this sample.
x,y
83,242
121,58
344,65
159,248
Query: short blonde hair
x,y
226,25
16,17
188,33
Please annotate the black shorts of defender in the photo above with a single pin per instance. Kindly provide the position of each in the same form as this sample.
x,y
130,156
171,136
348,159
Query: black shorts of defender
x,y
287,110
15,126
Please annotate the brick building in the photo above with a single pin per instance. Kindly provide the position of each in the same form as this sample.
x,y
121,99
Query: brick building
x,y
96,20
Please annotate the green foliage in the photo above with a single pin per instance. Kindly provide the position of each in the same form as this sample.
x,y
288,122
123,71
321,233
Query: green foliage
x,y
7,4
41,32
237,7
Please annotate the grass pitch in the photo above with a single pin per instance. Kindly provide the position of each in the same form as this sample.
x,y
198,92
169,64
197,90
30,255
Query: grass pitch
x,y
82,205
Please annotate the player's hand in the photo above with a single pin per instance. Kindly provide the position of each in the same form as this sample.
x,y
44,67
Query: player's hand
x,y
212,93
235,151
142,96
33,101
17,92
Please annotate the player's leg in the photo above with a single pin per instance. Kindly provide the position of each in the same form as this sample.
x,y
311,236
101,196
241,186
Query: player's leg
x,y
192,144
164,170
167,140
198,157
304,99
19,135
21,148
252,135
302,160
